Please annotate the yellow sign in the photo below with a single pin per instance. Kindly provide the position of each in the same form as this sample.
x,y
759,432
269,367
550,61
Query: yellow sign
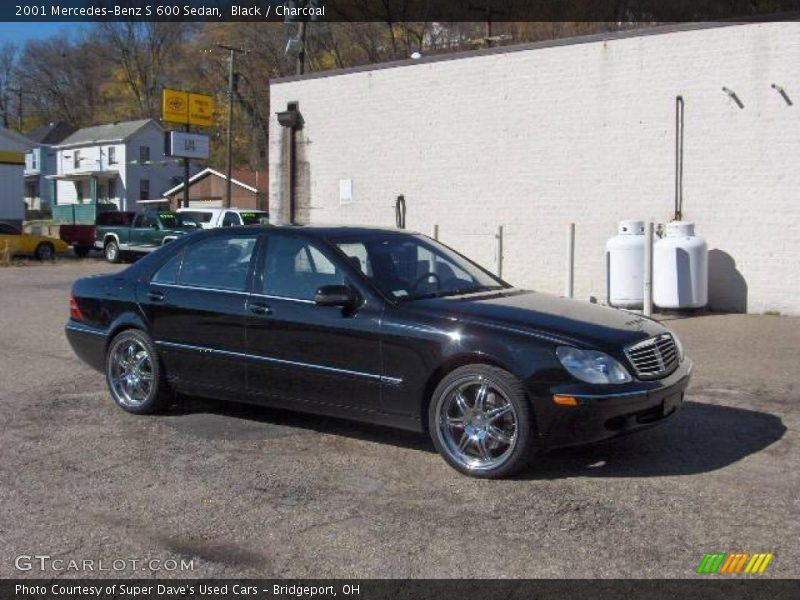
x,y
175,106
187,108
201,109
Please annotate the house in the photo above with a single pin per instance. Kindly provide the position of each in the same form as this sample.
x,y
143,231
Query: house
x,y
111,167
41,162
208,188
13,147
533,137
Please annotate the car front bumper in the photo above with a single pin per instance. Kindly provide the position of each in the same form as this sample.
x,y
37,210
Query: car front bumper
x,y
601,413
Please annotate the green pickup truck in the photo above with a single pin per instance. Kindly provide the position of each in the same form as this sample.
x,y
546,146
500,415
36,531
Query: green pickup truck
x,y
148,230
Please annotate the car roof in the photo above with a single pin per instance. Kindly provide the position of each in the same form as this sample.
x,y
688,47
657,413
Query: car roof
x,y
319,231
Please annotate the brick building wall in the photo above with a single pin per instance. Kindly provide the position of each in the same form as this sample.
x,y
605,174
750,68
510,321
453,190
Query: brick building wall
x,y
535,137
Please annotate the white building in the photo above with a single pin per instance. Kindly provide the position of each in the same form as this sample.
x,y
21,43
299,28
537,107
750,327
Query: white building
x,y
111,166
13,147
582,130
40,163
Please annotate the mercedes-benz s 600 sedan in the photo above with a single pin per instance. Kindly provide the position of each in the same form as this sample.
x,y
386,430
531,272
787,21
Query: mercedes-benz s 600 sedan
x,y
383,326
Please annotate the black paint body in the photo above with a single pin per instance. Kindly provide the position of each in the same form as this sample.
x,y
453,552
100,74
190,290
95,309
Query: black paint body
x,y
380,362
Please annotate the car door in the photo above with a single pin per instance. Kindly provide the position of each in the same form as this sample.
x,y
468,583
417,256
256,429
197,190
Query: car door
x,y
303,352
195,304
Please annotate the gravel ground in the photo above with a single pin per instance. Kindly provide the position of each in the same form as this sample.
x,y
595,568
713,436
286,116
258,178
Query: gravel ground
x,y
247,491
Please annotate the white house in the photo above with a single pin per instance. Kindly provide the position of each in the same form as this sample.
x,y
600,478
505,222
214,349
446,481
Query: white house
x,y
536,136
40,162
111,166
13,147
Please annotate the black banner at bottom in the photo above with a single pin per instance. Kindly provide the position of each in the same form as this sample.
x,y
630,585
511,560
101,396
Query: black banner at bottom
x,y
368,589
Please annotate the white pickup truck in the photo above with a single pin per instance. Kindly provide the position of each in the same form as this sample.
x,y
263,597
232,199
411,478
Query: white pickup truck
x,y
211,218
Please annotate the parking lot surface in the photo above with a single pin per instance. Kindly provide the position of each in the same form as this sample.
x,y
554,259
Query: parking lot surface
x,y
250,491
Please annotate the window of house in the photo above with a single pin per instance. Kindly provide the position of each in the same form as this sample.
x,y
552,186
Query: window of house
x,y
144,154
76,159
33,160
79,191
144,189
112,155
219,263
295,268
112,188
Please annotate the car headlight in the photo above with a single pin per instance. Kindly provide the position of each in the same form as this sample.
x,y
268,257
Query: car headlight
x,y
679,346
592,366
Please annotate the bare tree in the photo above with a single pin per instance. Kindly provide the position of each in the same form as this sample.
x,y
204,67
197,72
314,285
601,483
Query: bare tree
x,y
8,63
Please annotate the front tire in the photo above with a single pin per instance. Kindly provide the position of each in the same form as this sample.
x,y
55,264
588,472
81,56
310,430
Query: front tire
x,y
134,374
112,252
481,422
45,251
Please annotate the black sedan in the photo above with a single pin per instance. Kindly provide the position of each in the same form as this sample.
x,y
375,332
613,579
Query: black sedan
x,y
378,325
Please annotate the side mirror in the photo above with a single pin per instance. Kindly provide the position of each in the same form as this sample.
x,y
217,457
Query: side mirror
x,y
335,295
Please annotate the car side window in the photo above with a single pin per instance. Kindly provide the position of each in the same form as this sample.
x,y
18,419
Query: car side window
x,y
168,273
295,268
218,262
231,219
7,229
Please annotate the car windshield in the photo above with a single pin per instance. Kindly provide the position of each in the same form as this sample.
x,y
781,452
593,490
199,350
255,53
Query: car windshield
x,y
197,216
411,267
254,217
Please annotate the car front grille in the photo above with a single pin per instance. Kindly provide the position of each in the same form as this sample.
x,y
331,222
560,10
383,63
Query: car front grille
x,y
654,357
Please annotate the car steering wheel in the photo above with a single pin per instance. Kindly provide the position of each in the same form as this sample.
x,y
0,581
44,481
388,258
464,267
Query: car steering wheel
x,y
424,277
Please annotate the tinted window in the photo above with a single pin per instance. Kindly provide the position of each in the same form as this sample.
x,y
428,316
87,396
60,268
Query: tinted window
x,y
7,229
218,262
144,221
114,218
296,268
254,218
406,267
230,219
168,273
197,216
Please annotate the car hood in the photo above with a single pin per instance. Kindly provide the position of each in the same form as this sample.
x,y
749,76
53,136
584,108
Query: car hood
x,y
561,319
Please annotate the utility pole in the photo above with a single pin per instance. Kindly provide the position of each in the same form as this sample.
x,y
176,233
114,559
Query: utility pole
x,y
301,56
489,13
232,51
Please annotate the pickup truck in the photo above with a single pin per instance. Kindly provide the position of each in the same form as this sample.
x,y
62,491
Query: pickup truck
x,y
211,218
82,237
148,230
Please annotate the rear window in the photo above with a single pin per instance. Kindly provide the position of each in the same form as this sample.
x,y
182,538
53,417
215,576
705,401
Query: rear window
x,y
254,217
115,218
197,216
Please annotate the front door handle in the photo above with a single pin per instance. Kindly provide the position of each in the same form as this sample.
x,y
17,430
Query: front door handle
x,y
155,296
259,308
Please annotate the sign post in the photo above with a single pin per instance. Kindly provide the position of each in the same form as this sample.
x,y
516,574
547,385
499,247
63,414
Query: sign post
x,y
187,109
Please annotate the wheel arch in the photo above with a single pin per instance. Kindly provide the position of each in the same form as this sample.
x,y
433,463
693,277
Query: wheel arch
x,y
450,365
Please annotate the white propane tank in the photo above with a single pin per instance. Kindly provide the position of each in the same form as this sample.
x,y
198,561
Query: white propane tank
x,y
626,265
680,268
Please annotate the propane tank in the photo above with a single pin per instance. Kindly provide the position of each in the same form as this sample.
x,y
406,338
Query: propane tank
x,y
626,265
680,268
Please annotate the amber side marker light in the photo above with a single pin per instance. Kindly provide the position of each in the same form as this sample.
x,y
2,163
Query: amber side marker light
x,y
565,400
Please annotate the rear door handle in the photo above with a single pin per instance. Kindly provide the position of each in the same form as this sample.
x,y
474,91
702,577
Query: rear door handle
x,y
259,308
155,296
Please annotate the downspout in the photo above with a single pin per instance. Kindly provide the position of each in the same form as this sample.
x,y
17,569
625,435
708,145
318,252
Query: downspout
x,y
293,121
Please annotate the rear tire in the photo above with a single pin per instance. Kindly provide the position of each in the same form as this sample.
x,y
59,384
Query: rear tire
x,y
81,251
45,251
134,375
481,422
112,252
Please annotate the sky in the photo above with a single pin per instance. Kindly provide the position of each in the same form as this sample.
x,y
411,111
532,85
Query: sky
x,y
19,33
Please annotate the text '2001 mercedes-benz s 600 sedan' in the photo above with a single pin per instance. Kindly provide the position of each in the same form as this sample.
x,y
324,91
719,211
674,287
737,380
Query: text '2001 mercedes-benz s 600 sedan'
x,y
377,325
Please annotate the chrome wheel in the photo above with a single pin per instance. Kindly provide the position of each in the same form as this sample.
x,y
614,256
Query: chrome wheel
x,y
477,423
130,372
112,252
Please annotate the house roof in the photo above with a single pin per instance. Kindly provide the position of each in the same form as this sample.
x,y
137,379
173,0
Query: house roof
x,y
14,141
108,132
52,133
253,181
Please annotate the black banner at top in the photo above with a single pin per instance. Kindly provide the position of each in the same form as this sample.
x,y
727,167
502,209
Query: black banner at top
x,y
396,11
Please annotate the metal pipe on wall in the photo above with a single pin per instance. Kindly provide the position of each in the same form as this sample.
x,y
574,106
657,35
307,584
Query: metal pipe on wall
x,y
499,238
569,283
647,308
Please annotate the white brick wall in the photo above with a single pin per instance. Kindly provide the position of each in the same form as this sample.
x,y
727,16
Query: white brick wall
x,y
534,139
